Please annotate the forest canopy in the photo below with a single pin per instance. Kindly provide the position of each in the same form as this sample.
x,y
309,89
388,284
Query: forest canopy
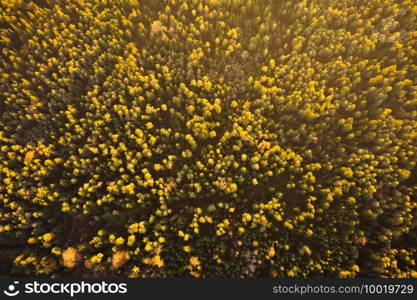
x,y
208,138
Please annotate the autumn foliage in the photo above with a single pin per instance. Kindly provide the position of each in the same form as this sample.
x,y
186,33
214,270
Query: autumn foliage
x,y
208,138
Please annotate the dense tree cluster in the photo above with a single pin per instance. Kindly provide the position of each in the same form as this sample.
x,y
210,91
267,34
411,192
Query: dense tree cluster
x,y
226,138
